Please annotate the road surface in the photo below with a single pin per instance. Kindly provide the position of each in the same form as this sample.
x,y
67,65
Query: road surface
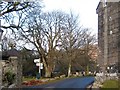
x,y
71,83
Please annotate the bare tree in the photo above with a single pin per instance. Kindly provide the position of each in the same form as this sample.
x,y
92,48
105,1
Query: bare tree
x,y
11,13
73,39
43,30
46,31
70,38
13,17
8,7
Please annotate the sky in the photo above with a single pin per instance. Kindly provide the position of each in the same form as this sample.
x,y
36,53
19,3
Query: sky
x,y
86,9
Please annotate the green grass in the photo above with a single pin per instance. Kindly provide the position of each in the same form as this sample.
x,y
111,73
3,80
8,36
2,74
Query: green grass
x,y
115,84
28,78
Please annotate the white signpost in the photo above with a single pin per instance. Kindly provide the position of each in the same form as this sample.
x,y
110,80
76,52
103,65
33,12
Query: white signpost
x,y
36,60
40,65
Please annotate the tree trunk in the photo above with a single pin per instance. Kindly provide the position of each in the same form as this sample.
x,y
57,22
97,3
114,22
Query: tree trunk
x,y
70,62
69,69
48,72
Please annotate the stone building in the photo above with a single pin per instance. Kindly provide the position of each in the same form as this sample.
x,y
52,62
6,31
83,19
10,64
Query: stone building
x,y
108,33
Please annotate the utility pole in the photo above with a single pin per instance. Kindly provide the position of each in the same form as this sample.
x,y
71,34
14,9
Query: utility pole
x,y
105,37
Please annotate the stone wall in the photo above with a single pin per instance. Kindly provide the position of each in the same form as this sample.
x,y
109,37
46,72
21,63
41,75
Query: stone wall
x,y
0,74
113,32
12,65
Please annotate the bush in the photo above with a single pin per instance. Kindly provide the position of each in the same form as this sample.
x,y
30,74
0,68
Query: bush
x,y
9,77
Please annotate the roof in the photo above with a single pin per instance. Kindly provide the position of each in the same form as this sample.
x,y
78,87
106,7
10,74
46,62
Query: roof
x,y
7,54
12,52
97,7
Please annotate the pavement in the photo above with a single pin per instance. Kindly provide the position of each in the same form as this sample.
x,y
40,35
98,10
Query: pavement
x,y
72,83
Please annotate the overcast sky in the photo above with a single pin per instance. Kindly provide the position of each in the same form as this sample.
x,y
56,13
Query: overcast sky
x,y
85,8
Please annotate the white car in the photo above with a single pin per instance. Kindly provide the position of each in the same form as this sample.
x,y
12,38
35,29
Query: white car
x,y
99,74
113,74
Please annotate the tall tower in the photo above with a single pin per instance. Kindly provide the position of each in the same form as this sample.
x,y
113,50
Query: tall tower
x,y
108,33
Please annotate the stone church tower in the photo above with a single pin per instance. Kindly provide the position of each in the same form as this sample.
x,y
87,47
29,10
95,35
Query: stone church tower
x,y
108,33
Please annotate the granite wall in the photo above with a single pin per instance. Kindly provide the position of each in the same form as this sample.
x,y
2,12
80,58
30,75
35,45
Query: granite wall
x,y
113,32
13,66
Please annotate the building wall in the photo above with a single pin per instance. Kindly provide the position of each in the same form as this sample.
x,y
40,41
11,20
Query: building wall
x,y
113,32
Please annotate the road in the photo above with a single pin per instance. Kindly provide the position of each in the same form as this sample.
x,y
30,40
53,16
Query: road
x,y
71,83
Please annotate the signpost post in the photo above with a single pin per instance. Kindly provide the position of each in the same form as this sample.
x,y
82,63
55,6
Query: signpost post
x,y
40,65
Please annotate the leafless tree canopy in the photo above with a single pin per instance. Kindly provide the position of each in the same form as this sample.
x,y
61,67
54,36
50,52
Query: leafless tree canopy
x,y
57,36
12,12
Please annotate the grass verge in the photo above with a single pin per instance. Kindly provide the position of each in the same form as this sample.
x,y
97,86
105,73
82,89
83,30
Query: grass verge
x,y
111,84
28,78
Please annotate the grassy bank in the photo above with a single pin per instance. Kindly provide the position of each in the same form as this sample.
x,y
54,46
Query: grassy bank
x,y
28,78
113,84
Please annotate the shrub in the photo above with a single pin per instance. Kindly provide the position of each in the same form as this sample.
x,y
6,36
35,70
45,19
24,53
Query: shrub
x,y
9,77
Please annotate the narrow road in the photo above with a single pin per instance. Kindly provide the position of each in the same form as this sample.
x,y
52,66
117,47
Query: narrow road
x,y
68,83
